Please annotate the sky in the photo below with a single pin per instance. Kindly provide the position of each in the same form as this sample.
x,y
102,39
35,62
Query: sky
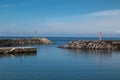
x,y
60,17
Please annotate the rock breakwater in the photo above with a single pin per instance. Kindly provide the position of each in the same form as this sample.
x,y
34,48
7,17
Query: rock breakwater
x,y
92,45
22,42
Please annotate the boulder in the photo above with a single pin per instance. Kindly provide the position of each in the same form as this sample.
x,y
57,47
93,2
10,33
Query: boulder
x,y
93,45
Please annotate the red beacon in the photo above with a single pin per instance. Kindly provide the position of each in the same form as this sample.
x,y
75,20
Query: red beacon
x,y
100,36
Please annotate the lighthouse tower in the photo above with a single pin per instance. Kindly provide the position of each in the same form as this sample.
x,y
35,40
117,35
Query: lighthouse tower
x,y
100,36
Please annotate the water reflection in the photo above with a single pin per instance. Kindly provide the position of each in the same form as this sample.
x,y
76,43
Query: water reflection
x,y
99,55
91,52
17,55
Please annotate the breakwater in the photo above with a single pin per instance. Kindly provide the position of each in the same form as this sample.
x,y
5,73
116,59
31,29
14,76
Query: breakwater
x,y
23,42
11,50
93,45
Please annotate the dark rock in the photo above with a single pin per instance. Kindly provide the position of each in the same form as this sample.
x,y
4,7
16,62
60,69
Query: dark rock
x,y
22,42
93,45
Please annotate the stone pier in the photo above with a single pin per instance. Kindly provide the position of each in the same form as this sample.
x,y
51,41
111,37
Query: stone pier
x,y
93,45
23,42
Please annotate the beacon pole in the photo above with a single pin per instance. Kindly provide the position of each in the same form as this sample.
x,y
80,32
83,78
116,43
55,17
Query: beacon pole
x,y
100,36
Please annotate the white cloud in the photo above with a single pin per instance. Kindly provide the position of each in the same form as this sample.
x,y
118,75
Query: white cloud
x,y
118,31
102,21
106,21
105,13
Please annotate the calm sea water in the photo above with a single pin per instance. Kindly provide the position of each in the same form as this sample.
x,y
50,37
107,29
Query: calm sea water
x,y
52,63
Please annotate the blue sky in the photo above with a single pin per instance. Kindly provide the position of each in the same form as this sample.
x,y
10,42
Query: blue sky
x,y
60,17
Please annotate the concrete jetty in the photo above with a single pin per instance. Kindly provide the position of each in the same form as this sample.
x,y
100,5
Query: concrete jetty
x,y
93,45
12,50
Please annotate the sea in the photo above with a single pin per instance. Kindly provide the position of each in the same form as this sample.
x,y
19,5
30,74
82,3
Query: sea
x,y
53,63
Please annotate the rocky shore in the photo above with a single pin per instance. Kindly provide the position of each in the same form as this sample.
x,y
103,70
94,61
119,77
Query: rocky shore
x,y
93,45
23,42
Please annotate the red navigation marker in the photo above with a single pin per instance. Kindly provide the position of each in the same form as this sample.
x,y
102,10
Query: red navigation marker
x,y
100,35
